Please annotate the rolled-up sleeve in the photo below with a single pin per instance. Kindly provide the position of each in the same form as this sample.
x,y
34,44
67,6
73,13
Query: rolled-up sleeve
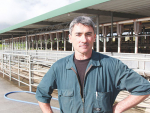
x,y
127,79
46,87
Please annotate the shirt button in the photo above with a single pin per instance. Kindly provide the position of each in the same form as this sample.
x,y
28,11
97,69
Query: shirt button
x,y
98,109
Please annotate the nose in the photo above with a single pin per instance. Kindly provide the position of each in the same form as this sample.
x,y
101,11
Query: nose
x,y
84,38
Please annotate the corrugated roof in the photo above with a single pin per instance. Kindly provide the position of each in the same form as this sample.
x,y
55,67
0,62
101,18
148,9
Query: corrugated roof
x,y
122,10
55,13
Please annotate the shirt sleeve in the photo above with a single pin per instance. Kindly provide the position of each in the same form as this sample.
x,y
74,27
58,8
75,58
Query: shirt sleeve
x,y
46,87
127,79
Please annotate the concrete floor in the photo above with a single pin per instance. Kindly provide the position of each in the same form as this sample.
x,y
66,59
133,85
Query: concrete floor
x,y
8,106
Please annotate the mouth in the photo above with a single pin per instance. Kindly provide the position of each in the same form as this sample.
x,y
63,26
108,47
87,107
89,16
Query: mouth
x,y
84,46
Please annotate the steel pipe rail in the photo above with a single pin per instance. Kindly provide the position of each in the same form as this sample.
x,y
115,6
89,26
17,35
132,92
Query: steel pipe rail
x,y
33,67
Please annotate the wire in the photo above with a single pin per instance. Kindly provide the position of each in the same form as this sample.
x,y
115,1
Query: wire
x,y
26,101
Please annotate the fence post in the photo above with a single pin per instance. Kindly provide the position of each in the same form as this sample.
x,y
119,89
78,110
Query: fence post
x,y
9,67
18,71
30,77
2,61
3,65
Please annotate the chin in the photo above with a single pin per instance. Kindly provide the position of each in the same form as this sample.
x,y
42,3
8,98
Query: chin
x,y
84,51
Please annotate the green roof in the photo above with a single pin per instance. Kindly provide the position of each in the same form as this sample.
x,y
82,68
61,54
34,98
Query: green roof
x,y
63,10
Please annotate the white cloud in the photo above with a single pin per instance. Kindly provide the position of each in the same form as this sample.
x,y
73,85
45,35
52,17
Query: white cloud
x,y
16,11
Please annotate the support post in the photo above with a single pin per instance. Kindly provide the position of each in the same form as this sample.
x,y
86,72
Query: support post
x,y
104,32
45,39
26,43
12,44
9,67
19,44
36,42
8,44
104,50
132,35
111,24
18,70
22,43
32,43
30,77
2,66
137,29
41,41
51,37
119,32
119,44
97,33
29,42
65,36
2,45
136,43
57,36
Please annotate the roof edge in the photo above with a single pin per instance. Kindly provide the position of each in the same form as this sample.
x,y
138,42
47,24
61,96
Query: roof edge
x,y
63,10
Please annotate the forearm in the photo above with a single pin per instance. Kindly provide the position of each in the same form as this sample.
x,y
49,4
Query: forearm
x,y
45,107
129,102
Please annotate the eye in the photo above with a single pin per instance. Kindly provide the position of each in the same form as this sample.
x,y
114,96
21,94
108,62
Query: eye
x,y
88,34
78,34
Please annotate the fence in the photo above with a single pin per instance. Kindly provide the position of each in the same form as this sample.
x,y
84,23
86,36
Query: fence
x,y
29,69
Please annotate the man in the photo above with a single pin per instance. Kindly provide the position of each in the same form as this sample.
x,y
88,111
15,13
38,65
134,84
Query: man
x,y
87,81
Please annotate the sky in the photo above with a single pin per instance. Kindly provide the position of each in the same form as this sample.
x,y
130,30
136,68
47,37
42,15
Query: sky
x,y
16,11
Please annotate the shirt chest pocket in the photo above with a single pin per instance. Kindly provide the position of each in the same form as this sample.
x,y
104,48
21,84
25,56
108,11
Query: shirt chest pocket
x,y
102,102
66,100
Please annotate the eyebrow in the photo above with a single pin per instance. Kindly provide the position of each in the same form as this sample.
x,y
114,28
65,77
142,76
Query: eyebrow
x,y
78,32
88,32
85,33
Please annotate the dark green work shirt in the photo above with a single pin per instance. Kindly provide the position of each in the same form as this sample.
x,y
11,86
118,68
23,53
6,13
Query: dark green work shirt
x,y
104,78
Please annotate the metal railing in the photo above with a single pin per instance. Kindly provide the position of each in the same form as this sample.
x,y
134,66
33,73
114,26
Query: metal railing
x,y
25,69
30,69
142,70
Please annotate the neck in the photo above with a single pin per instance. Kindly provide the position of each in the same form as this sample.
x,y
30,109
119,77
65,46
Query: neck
x,y
82,56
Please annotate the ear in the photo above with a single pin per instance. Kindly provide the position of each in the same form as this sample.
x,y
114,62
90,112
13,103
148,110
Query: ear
x,y
70,38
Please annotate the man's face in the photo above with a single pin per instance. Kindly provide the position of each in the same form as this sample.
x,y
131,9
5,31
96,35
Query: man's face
x,y
82,38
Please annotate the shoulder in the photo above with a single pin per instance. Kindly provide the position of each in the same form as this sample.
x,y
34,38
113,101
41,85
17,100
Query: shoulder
x,y
62,62
107,60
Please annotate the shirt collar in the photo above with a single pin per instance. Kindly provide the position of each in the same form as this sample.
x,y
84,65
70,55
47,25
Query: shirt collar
x,y
94,61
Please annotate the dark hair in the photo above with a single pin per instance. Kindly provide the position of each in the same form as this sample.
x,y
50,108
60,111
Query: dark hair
x,y
87,21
